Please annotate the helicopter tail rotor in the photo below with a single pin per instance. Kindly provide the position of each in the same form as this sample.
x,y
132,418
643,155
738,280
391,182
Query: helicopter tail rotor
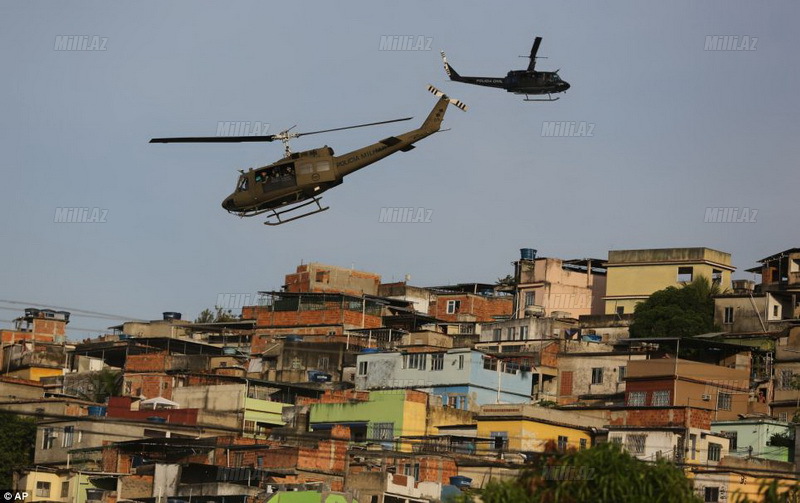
x,y
439,94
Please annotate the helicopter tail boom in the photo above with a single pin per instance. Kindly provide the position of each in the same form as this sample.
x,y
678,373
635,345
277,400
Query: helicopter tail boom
x,y
449,70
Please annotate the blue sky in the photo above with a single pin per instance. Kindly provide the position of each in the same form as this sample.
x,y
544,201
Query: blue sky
x,y
676,129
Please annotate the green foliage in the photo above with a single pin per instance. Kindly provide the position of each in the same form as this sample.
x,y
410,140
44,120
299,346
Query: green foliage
x,y
102,385
677,312
772,492
605,474
219,315
17,442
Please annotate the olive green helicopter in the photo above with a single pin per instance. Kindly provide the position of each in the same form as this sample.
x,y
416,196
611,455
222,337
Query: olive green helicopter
x,y
298,180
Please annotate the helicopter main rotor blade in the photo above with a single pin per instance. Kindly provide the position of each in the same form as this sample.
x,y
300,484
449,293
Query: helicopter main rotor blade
x,y
214,139
353,127
536,42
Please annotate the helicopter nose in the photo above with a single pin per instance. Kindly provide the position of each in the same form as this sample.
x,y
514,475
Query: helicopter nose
x,y
566,85
228,204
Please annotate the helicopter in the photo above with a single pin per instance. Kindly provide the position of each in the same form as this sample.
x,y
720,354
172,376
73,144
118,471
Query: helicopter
x,y
297,181
524,82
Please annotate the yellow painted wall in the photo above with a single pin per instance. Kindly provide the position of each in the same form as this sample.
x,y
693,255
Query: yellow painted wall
x,y
525,435
35,373
414,421
28,484
642,280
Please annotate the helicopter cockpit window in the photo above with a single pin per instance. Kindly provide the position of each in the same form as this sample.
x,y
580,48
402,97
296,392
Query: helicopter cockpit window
x,y
242,184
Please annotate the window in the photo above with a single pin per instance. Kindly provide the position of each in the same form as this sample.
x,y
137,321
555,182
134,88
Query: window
x,y
68,433
48,438
724,401
466,329
786,379
637,398
383,431
716,277
437,361
775,311
783,416
620,310
660,398
530,299
65,489
711,495
362,368
693,443
523,333
616,440
621,373
457,401
597,375
323,362
412,470
685,274
732,437
242,184
500,439
416,361
489,363
583,444
635,443
714,451
727,316
42,489
497,334
453,306
511,333
460,362
249,426
510,367
562,443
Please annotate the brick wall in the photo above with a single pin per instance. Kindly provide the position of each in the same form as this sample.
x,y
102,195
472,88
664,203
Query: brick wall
x,y
265,317
483,308
148,362
662,416
149,385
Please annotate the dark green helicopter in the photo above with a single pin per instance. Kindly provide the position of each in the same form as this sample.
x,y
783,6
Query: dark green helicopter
x,y
525,82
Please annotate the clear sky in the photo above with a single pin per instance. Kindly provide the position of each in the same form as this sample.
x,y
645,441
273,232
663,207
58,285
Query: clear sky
x,y
676,129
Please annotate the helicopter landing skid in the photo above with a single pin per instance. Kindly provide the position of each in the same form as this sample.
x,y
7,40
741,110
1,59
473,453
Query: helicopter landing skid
x,y
549,98
277,214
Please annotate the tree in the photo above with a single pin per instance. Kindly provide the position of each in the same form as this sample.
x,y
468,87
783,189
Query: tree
x,y
772,492
102,385
604,473
677,312
218,316
17,442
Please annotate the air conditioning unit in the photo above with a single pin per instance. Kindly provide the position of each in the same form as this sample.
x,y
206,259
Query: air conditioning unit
x,y
706,398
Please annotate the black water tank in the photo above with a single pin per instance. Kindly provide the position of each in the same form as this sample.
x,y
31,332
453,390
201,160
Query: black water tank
x,y
527,253
171,315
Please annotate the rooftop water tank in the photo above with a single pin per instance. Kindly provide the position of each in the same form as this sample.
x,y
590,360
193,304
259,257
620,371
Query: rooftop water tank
x,y
527,253
171,315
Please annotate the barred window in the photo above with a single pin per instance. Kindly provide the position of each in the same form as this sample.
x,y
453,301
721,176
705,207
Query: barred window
x,y
635,443
637,398
660,398
724,401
